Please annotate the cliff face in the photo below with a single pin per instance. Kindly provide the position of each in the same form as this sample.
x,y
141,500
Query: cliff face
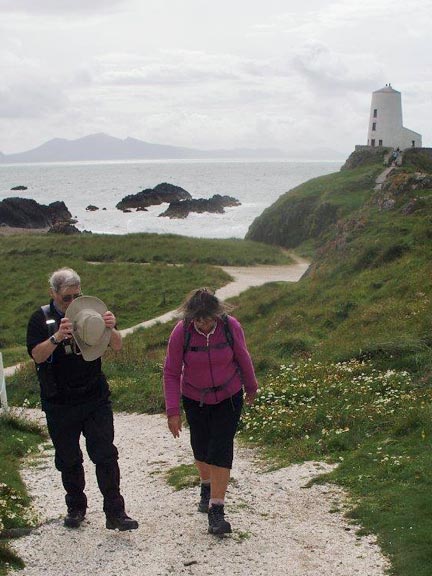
x,y
365,155
317,209
309,211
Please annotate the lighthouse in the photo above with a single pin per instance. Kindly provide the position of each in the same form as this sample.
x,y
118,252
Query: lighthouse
x,y
385,121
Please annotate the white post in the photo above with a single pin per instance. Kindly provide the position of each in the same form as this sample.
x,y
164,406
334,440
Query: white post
x,y
3,395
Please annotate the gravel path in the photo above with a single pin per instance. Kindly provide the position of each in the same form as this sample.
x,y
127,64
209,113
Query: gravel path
x,y
243,277
279,526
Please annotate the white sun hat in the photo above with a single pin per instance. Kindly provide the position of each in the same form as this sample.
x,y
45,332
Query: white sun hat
x,y
88,326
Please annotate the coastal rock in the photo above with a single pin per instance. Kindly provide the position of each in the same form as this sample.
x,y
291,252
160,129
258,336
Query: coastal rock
x,y
63,228
19,188
27,213
215,204
58,212
364,155
92,208
152,196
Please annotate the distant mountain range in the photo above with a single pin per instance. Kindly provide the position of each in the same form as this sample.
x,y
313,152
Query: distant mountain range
x,y
105,147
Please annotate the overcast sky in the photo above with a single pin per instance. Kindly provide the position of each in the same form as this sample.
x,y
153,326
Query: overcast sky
x,y
210,74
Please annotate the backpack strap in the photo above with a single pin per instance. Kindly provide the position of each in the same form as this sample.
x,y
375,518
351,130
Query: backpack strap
x,y
227,330
186,337
50,322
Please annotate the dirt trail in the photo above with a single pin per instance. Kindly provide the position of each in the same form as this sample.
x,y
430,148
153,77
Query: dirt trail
x,y
279,526
244,277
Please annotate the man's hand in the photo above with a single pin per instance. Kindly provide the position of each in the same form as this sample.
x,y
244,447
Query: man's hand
x,y
109,319
64,331
175,425
116,338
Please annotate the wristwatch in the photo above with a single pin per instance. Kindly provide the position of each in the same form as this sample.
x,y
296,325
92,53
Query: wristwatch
x,y
54,340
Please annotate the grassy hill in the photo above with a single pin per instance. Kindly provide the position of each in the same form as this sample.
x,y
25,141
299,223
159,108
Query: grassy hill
x,y
368,291
344,356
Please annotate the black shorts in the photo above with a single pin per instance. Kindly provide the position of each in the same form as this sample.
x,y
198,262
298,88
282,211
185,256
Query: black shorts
x,y
212,429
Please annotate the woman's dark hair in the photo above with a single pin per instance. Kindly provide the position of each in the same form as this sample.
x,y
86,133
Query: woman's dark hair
x,y
202,303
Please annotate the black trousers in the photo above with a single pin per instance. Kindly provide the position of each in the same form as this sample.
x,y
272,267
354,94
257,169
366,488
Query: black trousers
x,y
212,429
95,421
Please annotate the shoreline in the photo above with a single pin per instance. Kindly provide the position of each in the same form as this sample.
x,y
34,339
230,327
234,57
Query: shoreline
x,y
11,231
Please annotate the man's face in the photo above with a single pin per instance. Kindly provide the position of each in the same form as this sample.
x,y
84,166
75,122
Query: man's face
x,y
65,295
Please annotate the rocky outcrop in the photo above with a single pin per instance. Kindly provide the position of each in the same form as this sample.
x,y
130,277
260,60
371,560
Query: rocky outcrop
x,y
63,228
19,188
215,204
92,208
152,196
401,191
27,213
364,155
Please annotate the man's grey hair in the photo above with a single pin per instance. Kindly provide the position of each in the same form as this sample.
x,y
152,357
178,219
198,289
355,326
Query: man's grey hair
x,y
64,278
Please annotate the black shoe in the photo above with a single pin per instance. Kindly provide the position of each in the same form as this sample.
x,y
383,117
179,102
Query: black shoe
x,y
74,518
203,505
121,522
217,522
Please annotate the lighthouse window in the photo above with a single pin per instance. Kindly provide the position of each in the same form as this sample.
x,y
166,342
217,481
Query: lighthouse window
x,y
375,114
374,126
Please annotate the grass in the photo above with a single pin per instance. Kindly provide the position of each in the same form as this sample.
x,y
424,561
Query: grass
x,y
353,339
134,275
18,438
378,426
183,476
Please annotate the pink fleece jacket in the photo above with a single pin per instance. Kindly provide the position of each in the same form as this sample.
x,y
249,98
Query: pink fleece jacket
x,y
224,366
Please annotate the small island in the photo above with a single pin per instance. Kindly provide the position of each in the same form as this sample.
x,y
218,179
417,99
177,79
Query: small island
x,y
180,201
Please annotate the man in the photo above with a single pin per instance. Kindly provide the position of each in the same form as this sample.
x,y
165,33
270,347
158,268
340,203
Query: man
x,y
75,393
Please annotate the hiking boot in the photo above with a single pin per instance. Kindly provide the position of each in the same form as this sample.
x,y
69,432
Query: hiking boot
x,y
74,518
203,505
121,522
217,523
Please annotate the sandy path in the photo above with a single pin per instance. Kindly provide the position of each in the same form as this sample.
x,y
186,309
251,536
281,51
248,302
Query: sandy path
x,y
244,277
279,527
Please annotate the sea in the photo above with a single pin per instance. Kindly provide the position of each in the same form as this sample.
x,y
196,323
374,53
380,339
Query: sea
x,y
256,184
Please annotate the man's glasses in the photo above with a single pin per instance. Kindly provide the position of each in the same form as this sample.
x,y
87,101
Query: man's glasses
x,y
70,297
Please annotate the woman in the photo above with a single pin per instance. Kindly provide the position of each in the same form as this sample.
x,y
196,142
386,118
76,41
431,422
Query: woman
x,y
207,365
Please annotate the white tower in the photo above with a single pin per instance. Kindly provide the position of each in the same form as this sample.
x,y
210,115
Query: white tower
x,y
385,122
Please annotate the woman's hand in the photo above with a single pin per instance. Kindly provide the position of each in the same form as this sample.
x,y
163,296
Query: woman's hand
x,y
175,425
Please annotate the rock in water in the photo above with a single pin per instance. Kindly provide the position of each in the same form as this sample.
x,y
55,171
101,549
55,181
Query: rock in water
x,y
27,213
152,196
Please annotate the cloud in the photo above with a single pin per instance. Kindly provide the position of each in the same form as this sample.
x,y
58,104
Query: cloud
x,y
26,100
27,90
58,7
330,71
184,68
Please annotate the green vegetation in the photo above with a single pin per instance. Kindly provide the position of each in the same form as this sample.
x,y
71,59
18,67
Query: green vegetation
x,y
18,438
378,425
308,211
343,357
132,290
183,476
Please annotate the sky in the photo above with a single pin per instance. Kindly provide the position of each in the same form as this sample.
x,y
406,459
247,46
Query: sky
x,y
205,74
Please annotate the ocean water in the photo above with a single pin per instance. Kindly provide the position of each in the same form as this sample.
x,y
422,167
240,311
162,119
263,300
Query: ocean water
x,y
257,184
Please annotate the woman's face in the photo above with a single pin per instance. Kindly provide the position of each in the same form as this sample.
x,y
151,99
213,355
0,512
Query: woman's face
x,y
206,324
